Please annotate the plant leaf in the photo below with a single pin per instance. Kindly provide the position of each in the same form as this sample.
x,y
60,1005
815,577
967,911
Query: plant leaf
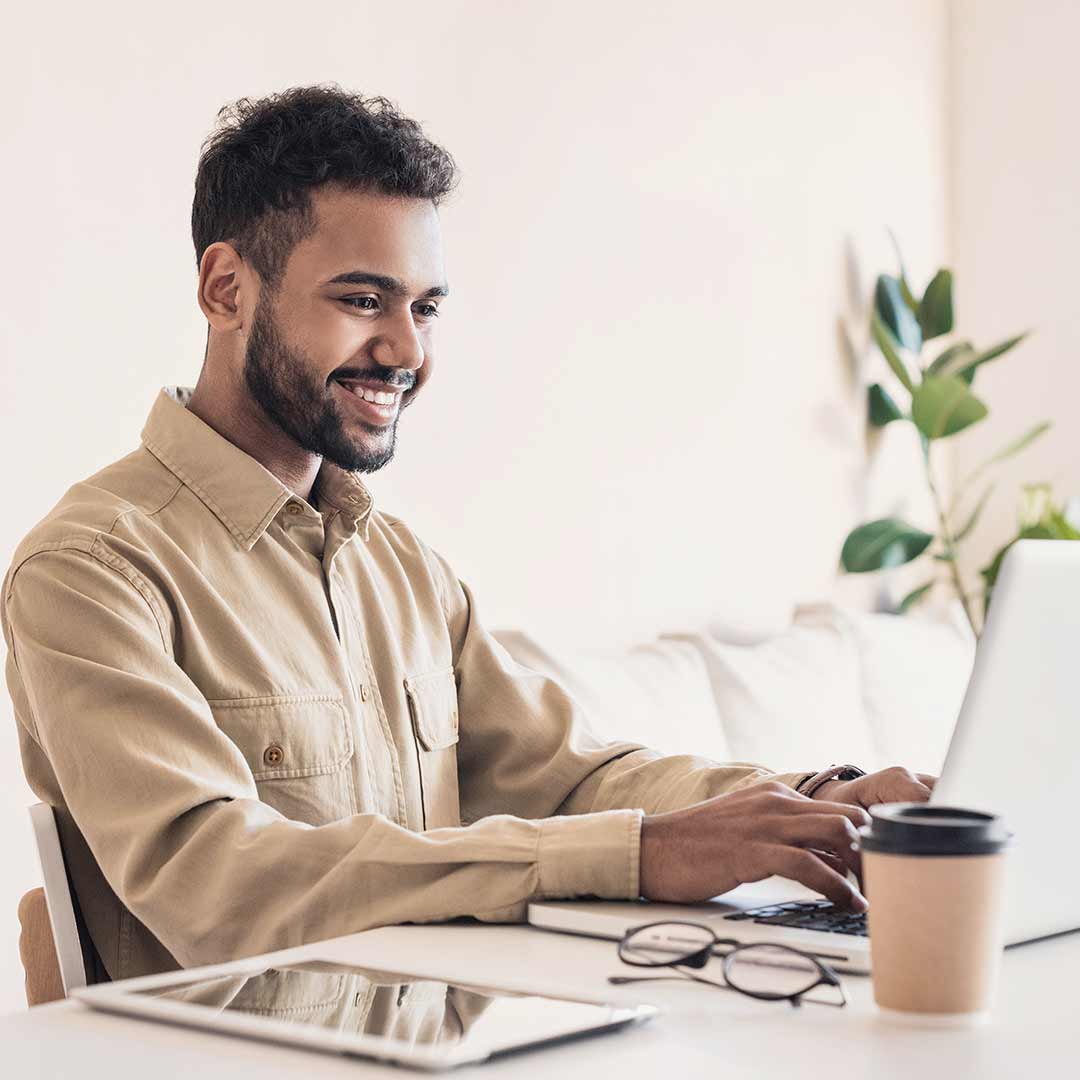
x,y
943,406
913,597
880,544
883,410
992,353
894,312
936,308
1002,347
954,358
887,344
905,289
966,530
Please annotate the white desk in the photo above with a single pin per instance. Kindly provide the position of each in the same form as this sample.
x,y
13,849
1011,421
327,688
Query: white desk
x,y
1035,1030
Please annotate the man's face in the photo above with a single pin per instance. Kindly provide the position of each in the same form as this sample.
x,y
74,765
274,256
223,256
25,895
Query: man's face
x,y
317,345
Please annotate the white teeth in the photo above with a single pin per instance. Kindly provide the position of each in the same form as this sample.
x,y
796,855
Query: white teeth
x,y
376,397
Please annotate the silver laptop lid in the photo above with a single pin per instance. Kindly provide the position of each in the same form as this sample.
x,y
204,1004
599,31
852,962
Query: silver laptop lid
x,y
1016,747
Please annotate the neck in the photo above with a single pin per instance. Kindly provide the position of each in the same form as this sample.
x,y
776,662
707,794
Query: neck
x,y
235,416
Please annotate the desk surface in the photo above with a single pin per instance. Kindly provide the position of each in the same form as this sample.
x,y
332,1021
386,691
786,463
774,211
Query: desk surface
x,y
1033,1030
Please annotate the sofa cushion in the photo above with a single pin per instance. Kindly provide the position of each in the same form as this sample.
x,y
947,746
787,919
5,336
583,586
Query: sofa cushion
x,y
914,672
657,693
793,701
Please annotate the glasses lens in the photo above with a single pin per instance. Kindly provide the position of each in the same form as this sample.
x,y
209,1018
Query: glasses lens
x,y
770,969
665,943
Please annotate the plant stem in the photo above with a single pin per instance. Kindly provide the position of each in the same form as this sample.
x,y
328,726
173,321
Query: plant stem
x,y
949,543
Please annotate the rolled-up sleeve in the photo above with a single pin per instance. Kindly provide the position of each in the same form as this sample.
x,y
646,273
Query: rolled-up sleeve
x,y
170,810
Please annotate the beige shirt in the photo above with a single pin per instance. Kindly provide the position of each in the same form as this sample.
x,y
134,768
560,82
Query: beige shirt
x,y
265,721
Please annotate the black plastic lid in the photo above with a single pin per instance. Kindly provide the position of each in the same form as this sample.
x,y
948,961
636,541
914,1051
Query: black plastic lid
x,y
921,829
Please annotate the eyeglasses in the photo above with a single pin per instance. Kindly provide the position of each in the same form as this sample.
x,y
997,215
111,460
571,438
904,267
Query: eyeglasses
x,y
764,971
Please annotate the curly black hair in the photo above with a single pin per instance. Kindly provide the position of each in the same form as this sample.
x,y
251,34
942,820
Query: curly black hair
x,y
258,167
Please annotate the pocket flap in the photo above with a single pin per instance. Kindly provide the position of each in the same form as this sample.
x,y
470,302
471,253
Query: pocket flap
x,y
433,703
286,736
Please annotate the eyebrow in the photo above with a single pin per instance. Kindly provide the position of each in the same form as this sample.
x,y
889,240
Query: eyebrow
x,y
385,282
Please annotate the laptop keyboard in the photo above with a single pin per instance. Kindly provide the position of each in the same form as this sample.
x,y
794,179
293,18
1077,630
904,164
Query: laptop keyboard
x,y
807,915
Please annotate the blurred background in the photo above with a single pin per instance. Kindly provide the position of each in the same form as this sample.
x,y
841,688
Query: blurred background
x,y
651,406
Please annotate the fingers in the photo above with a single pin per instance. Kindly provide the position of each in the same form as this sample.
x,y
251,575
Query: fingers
x,y
855,814
899,785
839,865
810,870
895,784
828,832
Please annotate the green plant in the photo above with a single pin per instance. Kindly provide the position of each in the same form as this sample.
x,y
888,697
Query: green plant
x,y
940,403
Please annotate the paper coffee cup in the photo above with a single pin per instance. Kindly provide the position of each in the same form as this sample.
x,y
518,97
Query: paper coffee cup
x,y
934,877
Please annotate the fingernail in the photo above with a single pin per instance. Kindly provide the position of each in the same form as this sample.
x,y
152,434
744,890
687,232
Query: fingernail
x,y
860,903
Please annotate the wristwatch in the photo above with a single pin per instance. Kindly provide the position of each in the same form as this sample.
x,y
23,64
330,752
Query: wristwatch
x,y
810,784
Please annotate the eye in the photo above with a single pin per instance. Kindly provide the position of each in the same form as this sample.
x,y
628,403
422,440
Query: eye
x,y
429,311
357,301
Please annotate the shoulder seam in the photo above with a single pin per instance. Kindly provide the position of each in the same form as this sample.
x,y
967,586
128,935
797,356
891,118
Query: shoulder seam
x,y
99,553
130,509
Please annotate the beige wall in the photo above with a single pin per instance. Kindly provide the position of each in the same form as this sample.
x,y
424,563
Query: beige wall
x,y
1015,229
642,417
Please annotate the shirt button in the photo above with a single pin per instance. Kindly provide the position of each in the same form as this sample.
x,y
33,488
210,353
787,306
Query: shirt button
x,y
293,507
363,693
273,754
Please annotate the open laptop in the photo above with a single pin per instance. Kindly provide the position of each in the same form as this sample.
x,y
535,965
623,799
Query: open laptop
x,y
1015,751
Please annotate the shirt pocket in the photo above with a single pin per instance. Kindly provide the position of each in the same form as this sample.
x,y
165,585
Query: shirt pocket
x,y
432,698
299,748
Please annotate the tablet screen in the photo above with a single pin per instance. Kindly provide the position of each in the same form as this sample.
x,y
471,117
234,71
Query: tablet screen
x,y
383,1014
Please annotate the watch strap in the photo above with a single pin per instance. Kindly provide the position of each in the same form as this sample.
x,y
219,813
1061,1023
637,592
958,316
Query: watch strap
x,y
809,785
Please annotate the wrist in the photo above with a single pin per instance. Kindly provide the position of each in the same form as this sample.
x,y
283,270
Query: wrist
x,y
823,791
813,785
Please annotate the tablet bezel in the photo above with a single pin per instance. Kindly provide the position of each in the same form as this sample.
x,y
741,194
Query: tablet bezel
x,y
125,998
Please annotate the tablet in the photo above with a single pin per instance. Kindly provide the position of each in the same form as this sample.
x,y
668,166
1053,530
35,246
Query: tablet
x,y
342,1009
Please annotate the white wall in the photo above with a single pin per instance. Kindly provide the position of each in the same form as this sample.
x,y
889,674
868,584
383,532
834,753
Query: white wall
x,y
1015,233
642,416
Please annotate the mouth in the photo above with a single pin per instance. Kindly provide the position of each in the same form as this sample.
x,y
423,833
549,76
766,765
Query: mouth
x,y
375,402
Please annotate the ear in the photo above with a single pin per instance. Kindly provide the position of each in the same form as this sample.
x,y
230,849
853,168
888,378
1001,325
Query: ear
x,y
224,288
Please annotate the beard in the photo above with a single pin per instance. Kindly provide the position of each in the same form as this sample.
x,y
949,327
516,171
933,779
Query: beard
x,y
302,405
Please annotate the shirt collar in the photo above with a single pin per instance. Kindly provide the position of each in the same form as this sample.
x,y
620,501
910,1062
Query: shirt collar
x,y
242,493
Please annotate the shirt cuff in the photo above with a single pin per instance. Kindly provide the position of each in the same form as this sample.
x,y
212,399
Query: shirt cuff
x,y
793,780
595,854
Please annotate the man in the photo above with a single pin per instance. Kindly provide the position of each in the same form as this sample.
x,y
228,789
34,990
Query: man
x,y
268,713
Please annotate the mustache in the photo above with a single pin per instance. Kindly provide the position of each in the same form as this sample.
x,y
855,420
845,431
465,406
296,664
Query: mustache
x,y
393,378
397,380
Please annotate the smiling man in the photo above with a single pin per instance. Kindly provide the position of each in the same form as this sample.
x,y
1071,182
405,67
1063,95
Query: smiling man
x,y
266,711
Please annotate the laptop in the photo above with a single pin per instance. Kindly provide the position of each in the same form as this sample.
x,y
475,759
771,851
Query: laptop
x,y
1015,751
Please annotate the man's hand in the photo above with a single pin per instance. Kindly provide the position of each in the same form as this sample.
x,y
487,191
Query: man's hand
x,y
748,835
888,785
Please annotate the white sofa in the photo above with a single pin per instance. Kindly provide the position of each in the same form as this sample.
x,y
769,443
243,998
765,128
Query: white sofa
x,y
836,685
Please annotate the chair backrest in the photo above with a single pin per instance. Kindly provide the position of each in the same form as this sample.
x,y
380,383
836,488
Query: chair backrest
x,y
58,898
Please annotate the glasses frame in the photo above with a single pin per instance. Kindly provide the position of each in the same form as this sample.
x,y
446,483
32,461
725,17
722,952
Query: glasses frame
x,y
699,959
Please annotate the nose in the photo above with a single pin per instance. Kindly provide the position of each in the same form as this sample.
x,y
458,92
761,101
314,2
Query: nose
x,y
399,344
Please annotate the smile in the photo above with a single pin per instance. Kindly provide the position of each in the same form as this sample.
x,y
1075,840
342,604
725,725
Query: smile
x,y
374,405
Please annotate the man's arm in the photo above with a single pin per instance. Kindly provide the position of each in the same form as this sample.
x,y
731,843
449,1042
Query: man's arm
x,y
526,749
170,810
